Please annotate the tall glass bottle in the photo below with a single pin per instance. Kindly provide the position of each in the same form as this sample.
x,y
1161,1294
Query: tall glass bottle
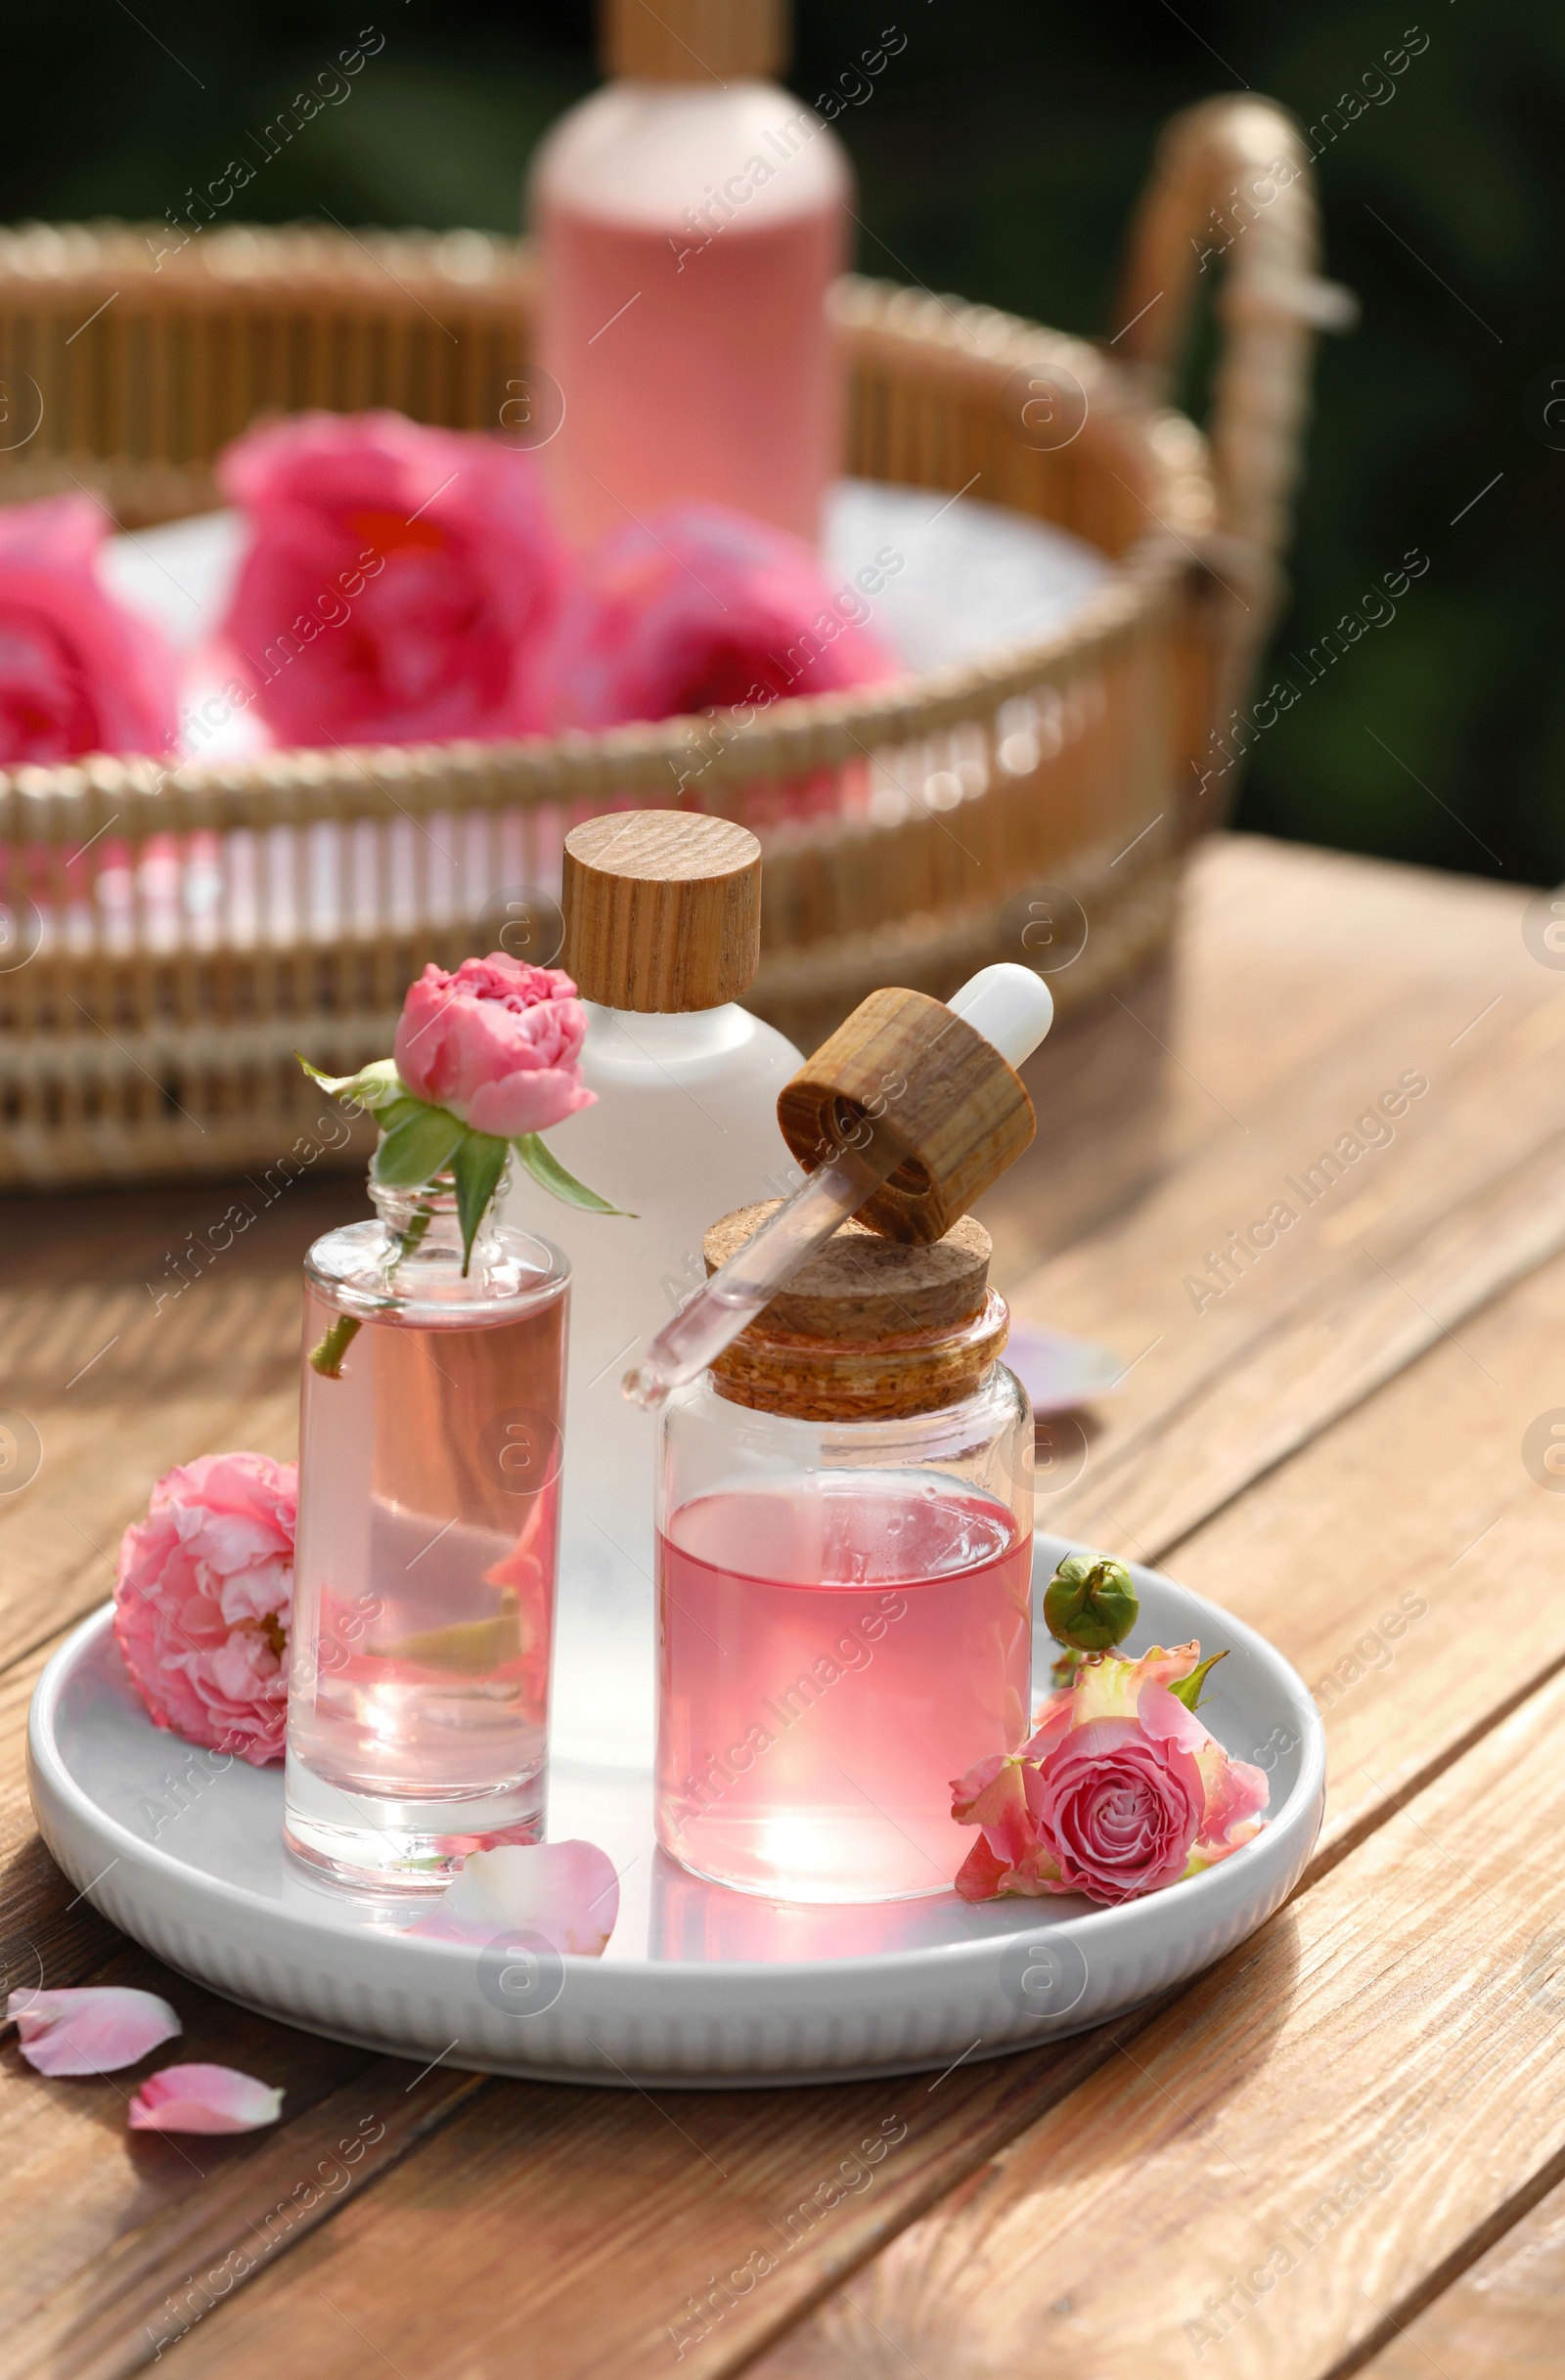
x,y
691,217
662,936
431,1444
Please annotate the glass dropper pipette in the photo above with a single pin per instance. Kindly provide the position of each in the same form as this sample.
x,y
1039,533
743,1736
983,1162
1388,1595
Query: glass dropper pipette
x,y
1012,1008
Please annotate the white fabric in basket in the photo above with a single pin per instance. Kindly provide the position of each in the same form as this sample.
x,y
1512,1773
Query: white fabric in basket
x,y
965,578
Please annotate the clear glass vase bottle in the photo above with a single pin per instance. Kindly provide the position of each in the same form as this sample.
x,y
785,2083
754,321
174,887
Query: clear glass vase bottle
x,y
844,1575
430,1444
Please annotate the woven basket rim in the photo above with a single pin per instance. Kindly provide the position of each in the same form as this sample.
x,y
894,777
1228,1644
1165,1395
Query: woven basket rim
x,y
975,344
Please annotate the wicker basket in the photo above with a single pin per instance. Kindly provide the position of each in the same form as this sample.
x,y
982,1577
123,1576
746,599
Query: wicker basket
x,y
170,941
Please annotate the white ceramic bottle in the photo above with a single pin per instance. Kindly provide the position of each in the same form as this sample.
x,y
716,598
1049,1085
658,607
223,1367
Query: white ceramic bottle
x,y
662,936
691,217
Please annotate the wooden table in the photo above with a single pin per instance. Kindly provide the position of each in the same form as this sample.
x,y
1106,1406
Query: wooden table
x,y
1341,2150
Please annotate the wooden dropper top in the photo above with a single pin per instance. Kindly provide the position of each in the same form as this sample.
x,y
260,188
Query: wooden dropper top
x,y
913,1075
901,1120
663,910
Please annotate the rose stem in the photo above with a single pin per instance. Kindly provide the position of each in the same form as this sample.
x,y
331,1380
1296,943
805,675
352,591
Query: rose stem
x,y
326,1356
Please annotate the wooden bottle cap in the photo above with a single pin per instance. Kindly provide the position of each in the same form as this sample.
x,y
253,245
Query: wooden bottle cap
x,y
904,1067
663,910
866,1330
862,1286
693,41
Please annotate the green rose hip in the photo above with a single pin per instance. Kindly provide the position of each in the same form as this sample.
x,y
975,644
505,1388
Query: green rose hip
x,y
1090,1604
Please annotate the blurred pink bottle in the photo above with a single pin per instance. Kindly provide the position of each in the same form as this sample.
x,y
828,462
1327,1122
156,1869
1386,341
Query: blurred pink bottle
x,y
691,217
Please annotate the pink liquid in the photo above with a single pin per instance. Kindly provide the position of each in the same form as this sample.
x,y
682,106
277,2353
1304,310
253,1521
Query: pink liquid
x,y
423,1589
836,1647
711,380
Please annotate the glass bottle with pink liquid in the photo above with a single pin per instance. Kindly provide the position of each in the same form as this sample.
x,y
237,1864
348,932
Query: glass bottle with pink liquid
x,y
424,1573
691,217
845,1556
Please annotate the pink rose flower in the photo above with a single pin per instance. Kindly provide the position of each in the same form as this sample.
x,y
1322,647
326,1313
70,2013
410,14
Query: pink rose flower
x,y
1120,1791
203,1600
78,672
401,585
498,1044
704,609
1118,1809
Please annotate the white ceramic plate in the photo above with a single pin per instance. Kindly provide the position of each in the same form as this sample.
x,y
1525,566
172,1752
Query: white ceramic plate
x,y
699,1985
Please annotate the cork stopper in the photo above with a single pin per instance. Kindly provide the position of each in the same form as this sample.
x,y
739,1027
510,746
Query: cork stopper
x,y
866,1330
687,41
663,910
926,1083
862,1286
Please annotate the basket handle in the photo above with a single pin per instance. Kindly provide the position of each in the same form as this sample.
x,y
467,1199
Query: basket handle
x,y
1231,184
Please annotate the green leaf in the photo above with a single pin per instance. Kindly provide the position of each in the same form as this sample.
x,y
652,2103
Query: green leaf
x,y
551,1175
1188,1690
398,1110
477,1165
372,1087
417,1148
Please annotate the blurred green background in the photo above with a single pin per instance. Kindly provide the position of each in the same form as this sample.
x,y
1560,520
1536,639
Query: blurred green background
x,y
999,154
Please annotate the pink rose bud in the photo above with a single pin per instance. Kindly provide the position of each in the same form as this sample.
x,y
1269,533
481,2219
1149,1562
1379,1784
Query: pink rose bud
x,y
401,583
204,1598
78,672
498,1044
702,609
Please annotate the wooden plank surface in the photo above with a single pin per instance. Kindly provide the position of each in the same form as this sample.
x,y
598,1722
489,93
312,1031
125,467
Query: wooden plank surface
x,y
1399,1706
1333,1446
1501,2318
1291,2159
1467,1190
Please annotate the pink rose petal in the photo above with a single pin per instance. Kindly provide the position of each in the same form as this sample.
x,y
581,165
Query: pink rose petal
x,y
93,2030
981,1875
1059,1372
204,2098
994,1796
566,1891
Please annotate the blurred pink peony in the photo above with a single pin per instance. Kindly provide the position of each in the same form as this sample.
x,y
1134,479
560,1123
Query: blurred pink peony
x,y
401,584
1120,1791
497,1044
706,610
78,672
203,1600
